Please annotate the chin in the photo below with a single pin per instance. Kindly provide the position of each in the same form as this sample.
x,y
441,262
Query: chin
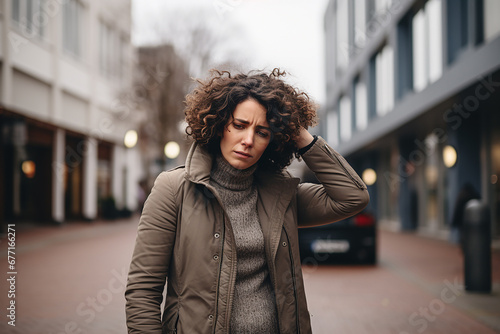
x,y
241,165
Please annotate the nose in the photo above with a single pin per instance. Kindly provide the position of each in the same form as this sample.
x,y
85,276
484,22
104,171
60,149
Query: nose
x,y
247,139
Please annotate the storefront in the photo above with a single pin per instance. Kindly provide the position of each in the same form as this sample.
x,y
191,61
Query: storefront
x,y
422,167
49,174
26,189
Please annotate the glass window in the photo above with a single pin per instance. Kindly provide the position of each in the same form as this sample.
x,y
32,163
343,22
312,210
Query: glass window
x,y
372,88
29,14
359,22
16,10
419,52
342,20
345,118
427,45
72,27
491,21
333,128
30,17
384,71
434,36
111,48
404,62
361,103
458,25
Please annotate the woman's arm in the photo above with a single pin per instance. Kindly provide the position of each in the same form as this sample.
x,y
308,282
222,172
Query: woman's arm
x,y
150,260
341,193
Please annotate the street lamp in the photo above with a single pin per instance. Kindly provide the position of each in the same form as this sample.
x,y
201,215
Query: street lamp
x,y
369,176
172,150
130,139
449,156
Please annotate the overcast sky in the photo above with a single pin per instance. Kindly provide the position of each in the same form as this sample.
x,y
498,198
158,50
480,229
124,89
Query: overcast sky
x,y
272,33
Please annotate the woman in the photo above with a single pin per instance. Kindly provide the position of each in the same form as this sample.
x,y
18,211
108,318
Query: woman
x,y
223,228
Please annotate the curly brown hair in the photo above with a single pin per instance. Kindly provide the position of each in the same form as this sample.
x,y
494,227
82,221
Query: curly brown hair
x,y
209,108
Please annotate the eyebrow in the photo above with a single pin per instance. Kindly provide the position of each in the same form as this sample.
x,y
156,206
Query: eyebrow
x,y
247,122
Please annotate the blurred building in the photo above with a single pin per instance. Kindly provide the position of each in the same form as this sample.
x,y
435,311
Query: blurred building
x,y
66,68
413,96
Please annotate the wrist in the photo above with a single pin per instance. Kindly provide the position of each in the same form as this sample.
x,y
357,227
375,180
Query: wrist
x,y
304,139
303,150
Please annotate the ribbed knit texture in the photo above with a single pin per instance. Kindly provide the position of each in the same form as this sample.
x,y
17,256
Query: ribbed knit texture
x,y
254,305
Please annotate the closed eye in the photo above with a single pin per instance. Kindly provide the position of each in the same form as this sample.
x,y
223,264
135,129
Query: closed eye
x,y
237,126
263,134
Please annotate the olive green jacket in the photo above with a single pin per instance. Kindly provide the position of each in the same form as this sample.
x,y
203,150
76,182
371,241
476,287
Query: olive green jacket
x,y
184,234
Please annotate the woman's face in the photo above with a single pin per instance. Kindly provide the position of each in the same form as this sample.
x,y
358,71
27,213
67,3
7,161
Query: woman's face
x,y
246,137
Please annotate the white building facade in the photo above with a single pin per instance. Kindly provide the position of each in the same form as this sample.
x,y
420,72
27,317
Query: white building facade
x,y
66,72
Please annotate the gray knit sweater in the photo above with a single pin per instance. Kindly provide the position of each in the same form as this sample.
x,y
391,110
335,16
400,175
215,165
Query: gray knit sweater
x,y
254,305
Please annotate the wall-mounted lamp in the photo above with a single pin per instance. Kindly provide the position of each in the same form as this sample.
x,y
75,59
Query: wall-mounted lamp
x,y
29,169
449,156
369,176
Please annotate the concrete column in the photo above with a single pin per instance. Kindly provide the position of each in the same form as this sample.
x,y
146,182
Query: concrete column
x,y
132,176
19,139
58,164
117,176
90,179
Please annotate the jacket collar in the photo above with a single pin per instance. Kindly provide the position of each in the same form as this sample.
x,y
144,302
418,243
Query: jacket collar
x,y
199,164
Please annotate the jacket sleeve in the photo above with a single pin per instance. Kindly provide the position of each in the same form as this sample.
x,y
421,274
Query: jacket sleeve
x,y
151,258
341,193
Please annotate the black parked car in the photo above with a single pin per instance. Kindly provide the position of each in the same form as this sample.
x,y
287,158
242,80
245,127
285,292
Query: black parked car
x,y
353,240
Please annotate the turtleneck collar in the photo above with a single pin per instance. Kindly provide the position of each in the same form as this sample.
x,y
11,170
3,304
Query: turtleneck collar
x,y
229,177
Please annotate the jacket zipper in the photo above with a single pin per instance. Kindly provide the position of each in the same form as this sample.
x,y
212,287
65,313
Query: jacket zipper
x,y
343,167
293,282
223,232
176,322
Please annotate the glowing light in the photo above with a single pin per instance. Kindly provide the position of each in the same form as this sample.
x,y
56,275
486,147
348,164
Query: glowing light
x,y
172,150
449,156
29,168
369,176
130,139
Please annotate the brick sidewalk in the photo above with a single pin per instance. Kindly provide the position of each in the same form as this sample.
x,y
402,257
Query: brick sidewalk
x,y
417,287
71,279
429,263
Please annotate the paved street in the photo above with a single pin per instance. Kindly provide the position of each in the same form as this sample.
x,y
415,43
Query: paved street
x,y
71,279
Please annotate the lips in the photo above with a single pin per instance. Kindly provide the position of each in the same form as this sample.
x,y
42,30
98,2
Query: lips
x,y
242,154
